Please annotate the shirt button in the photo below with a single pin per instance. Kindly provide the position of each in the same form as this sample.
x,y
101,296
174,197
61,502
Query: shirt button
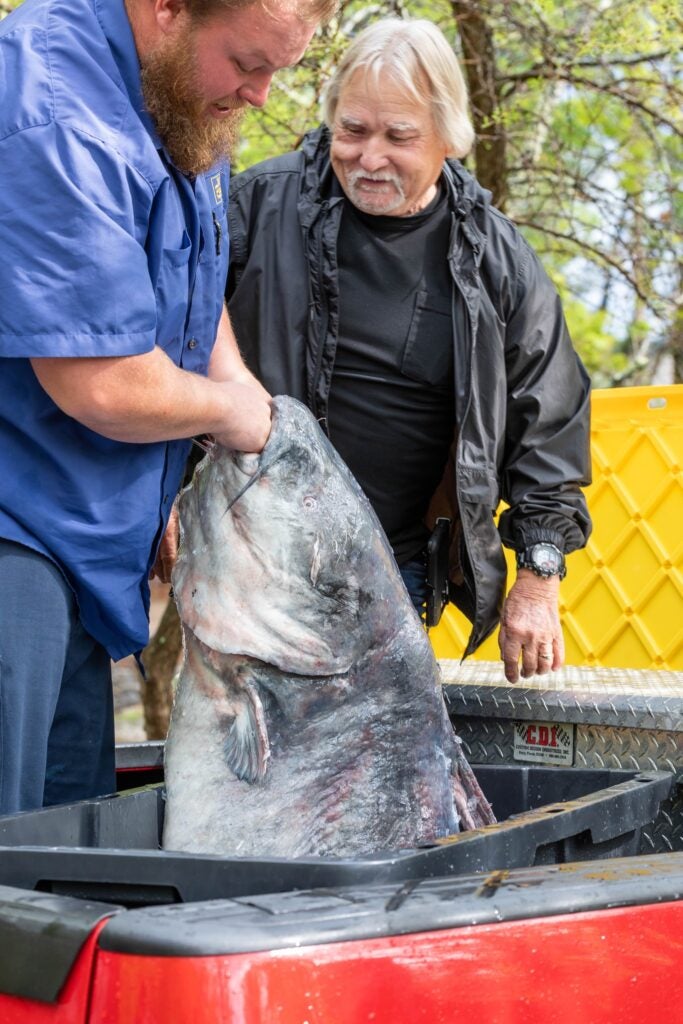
x,y
192,343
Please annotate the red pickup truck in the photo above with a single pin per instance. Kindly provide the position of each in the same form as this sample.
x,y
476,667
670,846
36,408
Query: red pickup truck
x,y
97,924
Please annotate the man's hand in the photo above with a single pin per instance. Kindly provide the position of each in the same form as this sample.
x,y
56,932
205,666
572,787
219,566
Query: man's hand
x,y
249,400
530,627
168,549
249,425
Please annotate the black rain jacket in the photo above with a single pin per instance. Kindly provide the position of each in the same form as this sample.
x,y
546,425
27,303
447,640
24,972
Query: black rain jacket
x,y
522,397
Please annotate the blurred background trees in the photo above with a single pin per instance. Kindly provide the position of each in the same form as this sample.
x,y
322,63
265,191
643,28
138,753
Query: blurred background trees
x,y
577,107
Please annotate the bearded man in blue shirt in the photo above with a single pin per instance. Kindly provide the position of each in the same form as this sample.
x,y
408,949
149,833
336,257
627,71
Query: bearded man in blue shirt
x,y
116,121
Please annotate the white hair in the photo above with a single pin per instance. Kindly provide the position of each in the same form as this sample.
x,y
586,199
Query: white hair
x,y
418,57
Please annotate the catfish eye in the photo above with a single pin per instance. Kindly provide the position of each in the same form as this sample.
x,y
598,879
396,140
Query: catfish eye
x,y
309,501
331,588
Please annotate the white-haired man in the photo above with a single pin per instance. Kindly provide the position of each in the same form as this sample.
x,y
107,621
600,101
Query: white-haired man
x,y
116,120
372,279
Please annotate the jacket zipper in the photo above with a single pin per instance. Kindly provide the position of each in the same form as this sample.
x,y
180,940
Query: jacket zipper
x,y
467,376
325,213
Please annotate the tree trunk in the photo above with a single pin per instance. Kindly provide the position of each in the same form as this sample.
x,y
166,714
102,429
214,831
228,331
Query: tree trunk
x,y
160,658
480,72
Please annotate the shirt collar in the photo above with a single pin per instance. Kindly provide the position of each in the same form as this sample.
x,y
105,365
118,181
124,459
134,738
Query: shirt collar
x,y
116,26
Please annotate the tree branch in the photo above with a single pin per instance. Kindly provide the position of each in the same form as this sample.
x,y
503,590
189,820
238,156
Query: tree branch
x,y
537,70
600,255
550,73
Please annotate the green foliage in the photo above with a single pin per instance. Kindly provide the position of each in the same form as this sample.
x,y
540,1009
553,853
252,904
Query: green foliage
x,y
602,354
589,102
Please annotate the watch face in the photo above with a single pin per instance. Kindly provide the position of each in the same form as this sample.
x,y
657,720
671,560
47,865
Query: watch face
x,y
547,558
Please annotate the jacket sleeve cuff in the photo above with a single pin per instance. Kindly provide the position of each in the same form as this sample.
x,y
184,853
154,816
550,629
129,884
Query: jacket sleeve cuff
x,y
526,536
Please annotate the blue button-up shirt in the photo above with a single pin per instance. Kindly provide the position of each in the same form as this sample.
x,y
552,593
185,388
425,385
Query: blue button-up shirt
x,y
107,250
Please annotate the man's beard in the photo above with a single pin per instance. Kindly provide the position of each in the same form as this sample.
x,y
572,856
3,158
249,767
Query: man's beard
x,y
383,203
195,140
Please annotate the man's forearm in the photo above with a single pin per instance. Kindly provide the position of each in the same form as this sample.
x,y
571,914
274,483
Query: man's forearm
x,y
148,398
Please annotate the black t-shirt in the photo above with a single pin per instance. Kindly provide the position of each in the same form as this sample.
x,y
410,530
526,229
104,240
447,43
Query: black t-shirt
x,y
391,414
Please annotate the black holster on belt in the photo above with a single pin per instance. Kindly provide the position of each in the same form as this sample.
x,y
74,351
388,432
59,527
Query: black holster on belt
x,y
437,570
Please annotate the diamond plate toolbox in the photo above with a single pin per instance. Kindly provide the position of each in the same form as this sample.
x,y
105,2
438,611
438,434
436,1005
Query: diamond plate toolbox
x,y
577,717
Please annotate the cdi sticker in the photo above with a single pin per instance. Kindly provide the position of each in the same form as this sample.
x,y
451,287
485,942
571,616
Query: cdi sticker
x,y
544,742
217,185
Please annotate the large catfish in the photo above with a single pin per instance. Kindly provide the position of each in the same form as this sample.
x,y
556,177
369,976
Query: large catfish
x,y
308,717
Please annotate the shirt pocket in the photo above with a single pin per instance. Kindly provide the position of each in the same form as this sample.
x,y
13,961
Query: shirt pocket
x,y
172,296
428,352
178,257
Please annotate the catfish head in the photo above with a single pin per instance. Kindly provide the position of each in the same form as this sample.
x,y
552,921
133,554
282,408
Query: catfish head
x,y
282,557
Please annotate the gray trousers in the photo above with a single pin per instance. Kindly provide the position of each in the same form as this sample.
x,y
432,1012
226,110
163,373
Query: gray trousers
x,y
56,707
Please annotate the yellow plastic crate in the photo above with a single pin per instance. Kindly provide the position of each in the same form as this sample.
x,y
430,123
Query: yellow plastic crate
x,y
622,600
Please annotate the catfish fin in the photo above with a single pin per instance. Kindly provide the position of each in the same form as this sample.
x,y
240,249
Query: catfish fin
x,y
247,748
472,807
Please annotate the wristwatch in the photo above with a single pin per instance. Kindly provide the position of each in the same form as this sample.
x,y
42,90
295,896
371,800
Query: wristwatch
x,y
544,559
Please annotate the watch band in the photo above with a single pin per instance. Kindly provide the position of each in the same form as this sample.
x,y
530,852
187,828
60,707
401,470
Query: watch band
x,y
544,559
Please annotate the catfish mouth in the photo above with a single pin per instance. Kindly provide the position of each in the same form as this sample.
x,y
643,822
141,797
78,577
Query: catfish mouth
x,y
255,471
255,465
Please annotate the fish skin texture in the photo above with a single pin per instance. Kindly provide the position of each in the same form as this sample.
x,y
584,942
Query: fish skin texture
x,y
309,717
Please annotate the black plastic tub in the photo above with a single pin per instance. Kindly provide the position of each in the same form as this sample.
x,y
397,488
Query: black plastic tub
x,y
108,849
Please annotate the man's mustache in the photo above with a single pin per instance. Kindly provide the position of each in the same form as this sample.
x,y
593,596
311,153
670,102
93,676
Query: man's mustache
x,y
356,176
231,103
